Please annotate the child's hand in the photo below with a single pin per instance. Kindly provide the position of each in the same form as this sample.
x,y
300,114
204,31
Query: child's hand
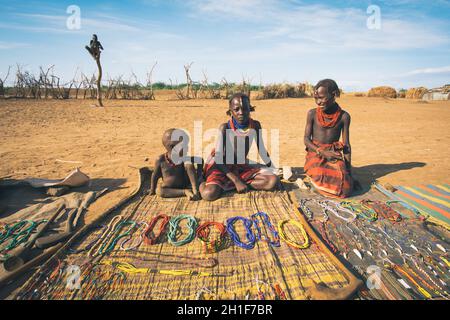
x,y
241,187
192,194
196,194
331,155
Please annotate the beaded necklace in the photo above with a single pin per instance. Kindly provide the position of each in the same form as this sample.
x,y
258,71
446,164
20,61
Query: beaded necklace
x,y
131,269
383,210
403,272
203,232
441,291
323,230
105,235
332,118
305,209
326,204
18,233
292,243
241,130
174,229
266,219
168,160
345,250
140,231
152,238
249,233
360,209
108,246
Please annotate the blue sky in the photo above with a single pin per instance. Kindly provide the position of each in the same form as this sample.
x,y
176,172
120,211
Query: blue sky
x,y
263,40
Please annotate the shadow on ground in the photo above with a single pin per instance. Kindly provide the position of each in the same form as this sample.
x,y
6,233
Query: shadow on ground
x,y
365,175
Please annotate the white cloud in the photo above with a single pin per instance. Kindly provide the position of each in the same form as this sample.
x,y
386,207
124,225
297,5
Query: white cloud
x,y
12,45
445,69
315,26
110,23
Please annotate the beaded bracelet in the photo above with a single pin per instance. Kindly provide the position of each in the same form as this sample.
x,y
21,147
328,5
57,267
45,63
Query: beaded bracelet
x,y
292,243
154,239
266,219
173,230
249,233
203,232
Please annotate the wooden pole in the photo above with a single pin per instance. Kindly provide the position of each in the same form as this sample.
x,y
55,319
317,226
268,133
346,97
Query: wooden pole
x,y
95,49
99,82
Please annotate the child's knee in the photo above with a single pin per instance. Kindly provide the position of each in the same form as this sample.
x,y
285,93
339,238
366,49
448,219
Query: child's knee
x,y
271,182
210,194
160,191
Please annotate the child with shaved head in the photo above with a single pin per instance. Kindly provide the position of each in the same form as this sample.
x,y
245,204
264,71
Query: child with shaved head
x,y
179,177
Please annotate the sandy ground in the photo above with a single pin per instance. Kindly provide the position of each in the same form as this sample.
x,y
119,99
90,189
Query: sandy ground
x,y
397,141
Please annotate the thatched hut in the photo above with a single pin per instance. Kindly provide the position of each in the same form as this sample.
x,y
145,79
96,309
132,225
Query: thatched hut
x,y
383,92
416,93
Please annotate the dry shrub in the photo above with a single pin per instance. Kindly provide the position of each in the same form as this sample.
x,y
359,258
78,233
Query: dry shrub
x,y
384,92
285,90
360,94
416,93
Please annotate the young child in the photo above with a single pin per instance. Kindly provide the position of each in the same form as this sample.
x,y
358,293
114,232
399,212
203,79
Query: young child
x,y
328,161
179,177
228,167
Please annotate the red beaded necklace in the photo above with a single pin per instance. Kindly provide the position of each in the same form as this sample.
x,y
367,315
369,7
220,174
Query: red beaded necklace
x,y
332,118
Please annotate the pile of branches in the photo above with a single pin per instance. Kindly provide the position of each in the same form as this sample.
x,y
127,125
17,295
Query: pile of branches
x,y
46,85
285,90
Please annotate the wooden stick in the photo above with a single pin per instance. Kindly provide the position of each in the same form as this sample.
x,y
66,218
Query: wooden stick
x,y
6,277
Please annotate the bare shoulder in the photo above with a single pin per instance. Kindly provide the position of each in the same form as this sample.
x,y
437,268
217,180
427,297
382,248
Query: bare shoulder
x,y
311,114
345,116
223,127
257,124
159,159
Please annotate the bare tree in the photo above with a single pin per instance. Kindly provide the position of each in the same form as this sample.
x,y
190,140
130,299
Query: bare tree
x,y
95,48
187,67
151,94
226,86
2,82
211,92
43,79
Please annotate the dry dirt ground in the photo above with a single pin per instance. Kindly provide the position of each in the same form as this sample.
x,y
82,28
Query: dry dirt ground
x,y
397,141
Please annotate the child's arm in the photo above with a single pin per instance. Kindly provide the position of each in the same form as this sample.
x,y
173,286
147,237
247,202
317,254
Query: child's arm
x,y
263,153
155,176
309,131
346,141
190,169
